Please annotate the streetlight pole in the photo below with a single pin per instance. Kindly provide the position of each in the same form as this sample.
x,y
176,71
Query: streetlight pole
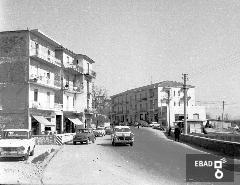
x,y
185,102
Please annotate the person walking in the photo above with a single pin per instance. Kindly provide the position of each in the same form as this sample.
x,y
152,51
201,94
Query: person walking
x,y
177,133
169,130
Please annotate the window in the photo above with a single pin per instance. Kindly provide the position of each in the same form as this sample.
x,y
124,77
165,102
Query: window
x,y
178,93
195,116
179,103
77,62
174,103
35,94
48,99
173,93
49,52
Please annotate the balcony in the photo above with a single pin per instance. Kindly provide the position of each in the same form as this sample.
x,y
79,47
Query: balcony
x,y
74,68
90,74
73,89
44,81
88,111
45,58
58,107
43,105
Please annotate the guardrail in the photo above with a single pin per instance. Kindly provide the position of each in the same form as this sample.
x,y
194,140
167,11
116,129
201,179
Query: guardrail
x,y
226,147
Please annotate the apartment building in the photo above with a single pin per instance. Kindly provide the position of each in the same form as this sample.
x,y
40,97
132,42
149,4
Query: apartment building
x,y
43,85
160,102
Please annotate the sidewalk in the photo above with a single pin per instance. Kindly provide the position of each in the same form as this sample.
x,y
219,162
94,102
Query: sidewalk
x,y
15,171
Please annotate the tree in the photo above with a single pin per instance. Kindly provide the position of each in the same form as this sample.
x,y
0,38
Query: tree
x,y
101,105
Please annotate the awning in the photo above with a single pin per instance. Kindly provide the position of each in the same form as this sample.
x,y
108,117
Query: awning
x,y
43,120
76,121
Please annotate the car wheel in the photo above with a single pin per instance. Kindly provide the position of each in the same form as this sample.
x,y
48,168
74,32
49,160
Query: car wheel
x,y
131,144
87,142
74,142
32,152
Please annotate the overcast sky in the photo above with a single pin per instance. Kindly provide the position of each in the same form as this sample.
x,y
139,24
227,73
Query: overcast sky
x,y
134,41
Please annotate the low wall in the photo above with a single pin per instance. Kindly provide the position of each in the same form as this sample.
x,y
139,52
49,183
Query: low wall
x,y
44,139
221,136
226,147
57,139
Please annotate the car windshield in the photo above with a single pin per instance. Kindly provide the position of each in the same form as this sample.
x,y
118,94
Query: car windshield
x,y
15,135
82,131
99,128
122,129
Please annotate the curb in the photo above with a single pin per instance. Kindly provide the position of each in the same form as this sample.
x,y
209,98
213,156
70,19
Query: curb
x,y
48,160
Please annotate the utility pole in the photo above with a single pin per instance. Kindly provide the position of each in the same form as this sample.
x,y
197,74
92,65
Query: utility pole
x,y
185,78
223,110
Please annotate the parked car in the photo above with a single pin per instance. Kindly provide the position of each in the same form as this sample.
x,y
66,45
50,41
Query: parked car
x,y
84,135
144,123
154,124
100,131
108,130
17,143
122,134
159,127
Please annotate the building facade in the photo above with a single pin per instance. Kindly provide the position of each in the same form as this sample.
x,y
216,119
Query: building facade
x,y
160,102
43,86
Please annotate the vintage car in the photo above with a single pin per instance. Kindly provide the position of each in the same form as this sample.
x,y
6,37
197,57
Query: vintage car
x,y
100,131
122,134
108,130
84,135
17,143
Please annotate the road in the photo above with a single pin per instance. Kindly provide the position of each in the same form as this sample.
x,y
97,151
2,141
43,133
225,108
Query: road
x,y
154,159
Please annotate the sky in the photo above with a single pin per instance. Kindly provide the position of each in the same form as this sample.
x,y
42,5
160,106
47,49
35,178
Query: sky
x,y
136,42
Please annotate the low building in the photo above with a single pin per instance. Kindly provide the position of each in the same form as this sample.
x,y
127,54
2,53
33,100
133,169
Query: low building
x,y
160,102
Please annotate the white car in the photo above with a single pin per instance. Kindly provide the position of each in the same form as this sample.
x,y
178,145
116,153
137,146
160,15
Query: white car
x,y
154,124
17,143
122,134
100,131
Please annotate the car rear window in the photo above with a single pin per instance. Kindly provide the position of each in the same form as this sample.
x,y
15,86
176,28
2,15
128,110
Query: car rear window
x,y
15,135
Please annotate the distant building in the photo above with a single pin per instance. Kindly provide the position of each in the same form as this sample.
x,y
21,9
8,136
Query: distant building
x,y
43,86
160,102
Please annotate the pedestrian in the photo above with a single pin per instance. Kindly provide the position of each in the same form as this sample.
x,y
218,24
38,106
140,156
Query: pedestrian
x,y
177,133
138,125
169,131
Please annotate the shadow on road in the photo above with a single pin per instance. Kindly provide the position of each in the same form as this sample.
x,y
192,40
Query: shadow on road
x,y
110,145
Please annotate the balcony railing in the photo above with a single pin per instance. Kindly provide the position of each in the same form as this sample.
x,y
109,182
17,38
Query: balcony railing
x,y
74,89
74,68
44,56
45,81
91,73
44,105
58,107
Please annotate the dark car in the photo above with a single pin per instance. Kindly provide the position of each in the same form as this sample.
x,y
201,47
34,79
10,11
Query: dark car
x,y
109,131
84,135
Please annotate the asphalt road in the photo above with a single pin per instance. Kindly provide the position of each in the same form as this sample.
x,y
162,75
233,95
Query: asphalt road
x,y
154,159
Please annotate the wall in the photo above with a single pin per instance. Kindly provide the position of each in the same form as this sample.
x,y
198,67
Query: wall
x,y
14,47
42,98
